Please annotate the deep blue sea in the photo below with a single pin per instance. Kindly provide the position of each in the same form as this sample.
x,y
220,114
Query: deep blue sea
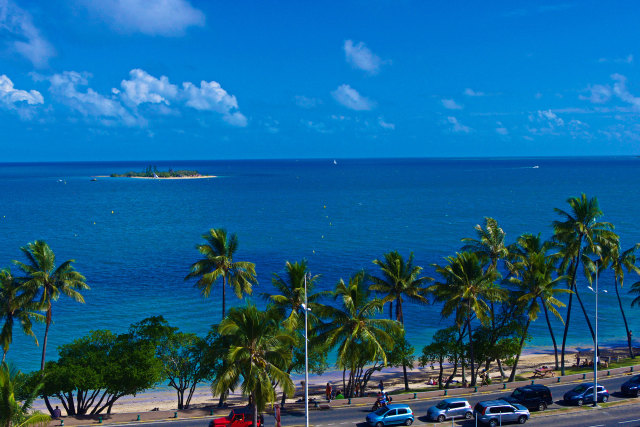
x,y
134,240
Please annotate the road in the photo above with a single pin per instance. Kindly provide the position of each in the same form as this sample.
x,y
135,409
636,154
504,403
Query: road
x,y
626,414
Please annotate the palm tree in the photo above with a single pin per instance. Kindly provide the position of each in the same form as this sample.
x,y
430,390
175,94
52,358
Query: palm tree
x,y
466,288
218,263
353,327
399,278
12,412
534,276
15,305
259,347
620,262
577,235
44,278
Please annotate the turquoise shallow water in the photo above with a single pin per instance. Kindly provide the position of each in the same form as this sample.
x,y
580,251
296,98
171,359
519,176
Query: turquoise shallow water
x,y
134,239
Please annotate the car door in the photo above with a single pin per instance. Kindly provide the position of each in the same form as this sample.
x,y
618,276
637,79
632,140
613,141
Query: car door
x,y
402,415
600,392
391,417
587,396
456,410
508,413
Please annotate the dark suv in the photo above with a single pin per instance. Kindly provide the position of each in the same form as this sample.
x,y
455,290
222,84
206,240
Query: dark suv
x,y
533,397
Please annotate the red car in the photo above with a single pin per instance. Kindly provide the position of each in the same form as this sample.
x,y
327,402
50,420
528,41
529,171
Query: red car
x,y
238,417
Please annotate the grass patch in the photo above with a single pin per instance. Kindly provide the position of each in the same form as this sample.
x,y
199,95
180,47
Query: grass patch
x,y
624,363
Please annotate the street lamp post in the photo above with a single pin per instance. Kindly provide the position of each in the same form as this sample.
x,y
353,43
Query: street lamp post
x,y
306,356
595,349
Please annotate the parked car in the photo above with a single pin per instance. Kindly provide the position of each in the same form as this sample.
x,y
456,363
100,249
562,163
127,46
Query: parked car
x,y
391,415
584,394
498,412
533,397
238,417
631,387
450,408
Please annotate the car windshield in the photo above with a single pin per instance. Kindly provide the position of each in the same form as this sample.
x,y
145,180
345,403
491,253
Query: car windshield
x,y
635,379
382,411
581,388
517,393
442,405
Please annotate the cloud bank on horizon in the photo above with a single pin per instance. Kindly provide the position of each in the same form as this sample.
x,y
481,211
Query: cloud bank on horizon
x,y
392,80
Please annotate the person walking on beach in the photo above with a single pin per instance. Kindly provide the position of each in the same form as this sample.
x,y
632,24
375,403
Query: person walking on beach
x,y
328,391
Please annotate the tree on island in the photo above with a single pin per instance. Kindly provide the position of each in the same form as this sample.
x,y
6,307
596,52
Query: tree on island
x,y
259,347
578,235
400,278
218,263
16,305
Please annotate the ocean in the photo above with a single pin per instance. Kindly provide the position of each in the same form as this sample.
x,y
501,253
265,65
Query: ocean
x,y
134,240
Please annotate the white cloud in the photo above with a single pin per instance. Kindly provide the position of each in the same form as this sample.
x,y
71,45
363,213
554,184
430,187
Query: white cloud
x,y
386,125
151,17
306,102
10,96
88,103
621,91
144,88
545,122
210,96
316,126
501,130
456,126
361,57
626,60
350,98
599,94
23,36
451,104
471,92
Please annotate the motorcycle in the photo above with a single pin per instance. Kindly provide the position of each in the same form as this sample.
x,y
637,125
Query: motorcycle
x,y
381,402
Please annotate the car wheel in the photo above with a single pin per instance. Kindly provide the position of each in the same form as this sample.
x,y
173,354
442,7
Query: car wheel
x,y
493,423
635,393
542,406
579,402
522,419
379,424
441,418
408,422
468,415
604,399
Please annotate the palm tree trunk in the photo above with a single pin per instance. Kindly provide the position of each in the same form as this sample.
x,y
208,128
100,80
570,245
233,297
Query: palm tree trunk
x,y
473,359
624,317
390,310
512,377
553,338
46,335
254,407
224,296
400,318
584,311
4,355
572,285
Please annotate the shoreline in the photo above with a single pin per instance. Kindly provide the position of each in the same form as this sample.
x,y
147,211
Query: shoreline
x,y
164,397
158,178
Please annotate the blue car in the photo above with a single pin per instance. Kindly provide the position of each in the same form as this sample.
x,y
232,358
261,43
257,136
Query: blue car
x,y
391,415
584,394
631,387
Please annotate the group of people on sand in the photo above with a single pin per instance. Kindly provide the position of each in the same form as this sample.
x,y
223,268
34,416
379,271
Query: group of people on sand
x,y
332,394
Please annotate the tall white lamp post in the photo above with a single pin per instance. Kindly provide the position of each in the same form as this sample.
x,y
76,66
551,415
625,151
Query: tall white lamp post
x,y
306,356
596,357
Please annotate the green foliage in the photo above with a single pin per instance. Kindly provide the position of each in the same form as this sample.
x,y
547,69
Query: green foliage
x,y
151,170
16,400
96,370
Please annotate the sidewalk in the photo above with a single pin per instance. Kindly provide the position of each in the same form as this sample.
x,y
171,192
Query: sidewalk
x,y
213,411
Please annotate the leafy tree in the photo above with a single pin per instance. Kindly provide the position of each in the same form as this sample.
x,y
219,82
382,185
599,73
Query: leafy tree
x,y
578,234
259,347
16,304
465,290
186,359
399,279
16,410
94,371
444,347
218,263
353,328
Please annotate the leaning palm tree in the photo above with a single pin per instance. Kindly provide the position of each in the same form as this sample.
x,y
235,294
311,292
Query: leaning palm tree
x,y
43,277
400,279
490,244
619,262
535,278
16,305
466,289
218,263
578,235
260,346
12,412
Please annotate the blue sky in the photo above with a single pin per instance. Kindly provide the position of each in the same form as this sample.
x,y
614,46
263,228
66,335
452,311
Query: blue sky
x,y
187,79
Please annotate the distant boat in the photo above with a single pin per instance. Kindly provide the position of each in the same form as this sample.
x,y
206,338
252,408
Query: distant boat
x,y
154,175
536,167
335,163
94,179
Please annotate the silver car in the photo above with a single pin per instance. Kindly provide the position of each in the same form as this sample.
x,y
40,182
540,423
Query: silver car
x,y
450,409
499,412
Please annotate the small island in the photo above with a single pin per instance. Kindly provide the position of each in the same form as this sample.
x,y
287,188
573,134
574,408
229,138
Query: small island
x,y
152,172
